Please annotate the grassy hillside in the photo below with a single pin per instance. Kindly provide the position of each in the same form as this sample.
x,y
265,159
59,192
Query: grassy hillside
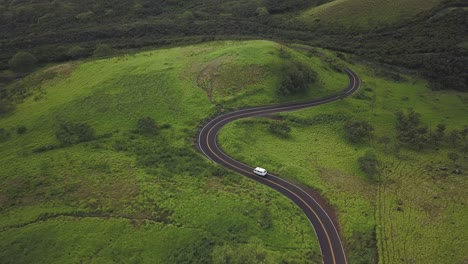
x,y
413,208
366,14
141,193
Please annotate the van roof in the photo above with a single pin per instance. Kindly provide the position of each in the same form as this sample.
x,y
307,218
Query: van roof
x,y
260,169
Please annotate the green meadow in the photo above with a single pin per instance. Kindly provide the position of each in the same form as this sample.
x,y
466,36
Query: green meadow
x,y
415,211
128,197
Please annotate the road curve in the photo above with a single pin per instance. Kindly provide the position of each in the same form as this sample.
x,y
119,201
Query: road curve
x,y
327,233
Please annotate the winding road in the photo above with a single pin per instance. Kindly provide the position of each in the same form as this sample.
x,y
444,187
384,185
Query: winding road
x,y
331,246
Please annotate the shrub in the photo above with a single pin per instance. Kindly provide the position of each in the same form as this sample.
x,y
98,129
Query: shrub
x,y
410,131
44,148
73,133
103,50
147,126
4,135
76,52
22,61
358,131
369,164
6,107
297,78
21,130
453,156
280,129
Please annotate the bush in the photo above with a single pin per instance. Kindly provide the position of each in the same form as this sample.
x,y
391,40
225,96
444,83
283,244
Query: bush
x,y
147,126
410,131
22,61
6,107
21,130
280,129
76,52
369,164
297,78
73,133
4,135
358,131
103,50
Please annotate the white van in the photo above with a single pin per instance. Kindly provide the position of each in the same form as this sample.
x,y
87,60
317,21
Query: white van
x,y
260,171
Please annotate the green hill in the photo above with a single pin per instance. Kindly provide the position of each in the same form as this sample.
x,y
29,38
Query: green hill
x,y
366,14
397,200
87,177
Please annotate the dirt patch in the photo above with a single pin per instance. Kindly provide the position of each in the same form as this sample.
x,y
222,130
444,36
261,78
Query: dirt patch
x,y
209,72
221,78
347,183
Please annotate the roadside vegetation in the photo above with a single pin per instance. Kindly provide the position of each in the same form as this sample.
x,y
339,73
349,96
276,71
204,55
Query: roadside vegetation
x,y
98,163
392,160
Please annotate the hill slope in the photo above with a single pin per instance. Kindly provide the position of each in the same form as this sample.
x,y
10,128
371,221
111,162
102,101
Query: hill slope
x,y
366,14
138,191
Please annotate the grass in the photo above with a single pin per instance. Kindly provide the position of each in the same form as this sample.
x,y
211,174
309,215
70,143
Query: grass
x,y
415,213
135,198
366,14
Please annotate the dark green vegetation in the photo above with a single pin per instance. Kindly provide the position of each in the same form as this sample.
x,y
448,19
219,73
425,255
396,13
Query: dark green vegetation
x,y
391,159
89,158
424,35
98,163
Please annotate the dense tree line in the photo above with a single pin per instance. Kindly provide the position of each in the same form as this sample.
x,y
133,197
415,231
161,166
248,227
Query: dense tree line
x,y
53,31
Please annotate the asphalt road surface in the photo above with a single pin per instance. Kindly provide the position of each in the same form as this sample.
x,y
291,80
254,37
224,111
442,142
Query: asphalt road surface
x,y
331,246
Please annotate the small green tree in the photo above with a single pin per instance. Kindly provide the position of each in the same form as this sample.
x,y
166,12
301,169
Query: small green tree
x,y
103,50
4,135
6,107
464,132
280,128
454,137
437,136
370,165
358,131
296,79
76,52
147,126
453,157
72,133
464,149
22,62
409,129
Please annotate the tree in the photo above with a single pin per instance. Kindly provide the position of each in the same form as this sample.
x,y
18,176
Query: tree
x,y
357,131
464,132
370,165
262,11
297,78
281,129
465,149
103,50
454,137
438,134
22,62
453,156
147,126
76,52
6,107
4,135
72,133
410,131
